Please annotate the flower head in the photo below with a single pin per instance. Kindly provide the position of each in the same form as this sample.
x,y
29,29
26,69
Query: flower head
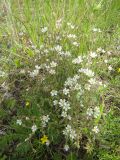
x,y
34,128
19,122
44,139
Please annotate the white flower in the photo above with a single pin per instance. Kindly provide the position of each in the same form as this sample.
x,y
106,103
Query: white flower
x,y
47,143
37,67
75,44
77,87
58,48
66,147
64,114
53,64
92,81
66,91
86,71
64,104
77,60
52,71
69,132
34,128
95,129
27,118
45,120
72,134
55,102
93,54
19,122
100,50
96,30
106,61
89,112
53,93
22,71
43,30
87,87
34,73
110,68
67,54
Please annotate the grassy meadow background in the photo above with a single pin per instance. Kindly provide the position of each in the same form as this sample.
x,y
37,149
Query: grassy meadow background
x,y
44,43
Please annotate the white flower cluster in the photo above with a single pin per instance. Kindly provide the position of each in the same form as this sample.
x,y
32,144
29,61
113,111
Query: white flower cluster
x,y
93,112
60,52
66,91
69,132
71,82
65,105
86,71
34,128
35,72
93,54
45,120
77,60
96,129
